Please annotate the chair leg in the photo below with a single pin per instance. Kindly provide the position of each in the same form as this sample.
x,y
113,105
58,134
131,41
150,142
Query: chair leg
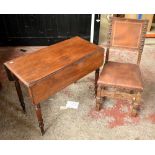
x,y
136,105
98,99
39,117
134,111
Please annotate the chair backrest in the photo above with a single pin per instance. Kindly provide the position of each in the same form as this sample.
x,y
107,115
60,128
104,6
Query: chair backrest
x,y
128,34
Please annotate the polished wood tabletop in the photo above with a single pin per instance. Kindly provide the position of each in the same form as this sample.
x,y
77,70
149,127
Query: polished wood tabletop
x,y
35,66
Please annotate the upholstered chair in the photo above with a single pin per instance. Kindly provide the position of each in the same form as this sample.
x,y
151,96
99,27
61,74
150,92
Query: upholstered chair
x,y
121,80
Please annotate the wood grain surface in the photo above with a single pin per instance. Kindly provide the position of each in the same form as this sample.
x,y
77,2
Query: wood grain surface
x,y
64,77
35,66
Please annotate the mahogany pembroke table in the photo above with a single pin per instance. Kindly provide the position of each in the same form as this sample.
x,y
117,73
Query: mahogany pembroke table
x,y
51,69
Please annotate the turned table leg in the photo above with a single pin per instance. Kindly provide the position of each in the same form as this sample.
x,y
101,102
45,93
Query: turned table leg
x,y
96,78
0,86
19,92
39,117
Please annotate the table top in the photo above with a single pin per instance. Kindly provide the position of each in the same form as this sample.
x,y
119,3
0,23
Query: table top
x,y
44,62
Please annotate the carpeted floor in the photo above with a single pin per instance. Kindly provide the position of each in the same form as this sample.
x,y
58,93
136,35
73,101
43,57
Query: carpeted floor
x,y
112,122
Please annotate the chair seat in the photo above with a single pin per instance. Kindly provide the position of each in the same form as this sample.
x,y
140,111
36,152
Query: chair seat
x,y
122,75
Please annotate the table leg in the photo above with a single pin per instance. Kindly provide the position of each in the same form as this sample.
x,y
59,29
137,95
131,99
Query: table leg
x,y
39,117
96,78
9,75
19,92
0,86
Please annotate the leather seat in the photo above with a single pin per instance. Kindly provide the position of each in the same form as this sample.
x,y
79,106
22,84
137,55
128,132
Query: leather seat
x,y
123,75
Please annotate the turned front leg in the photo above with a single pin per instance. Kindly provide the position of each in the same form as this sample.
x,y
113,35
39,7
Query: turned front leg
x,y
96,79
136,103
39,117
19,93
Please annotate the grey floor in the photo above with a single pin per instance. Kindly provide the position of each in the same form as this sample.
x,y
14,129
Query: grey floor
x,y
112,122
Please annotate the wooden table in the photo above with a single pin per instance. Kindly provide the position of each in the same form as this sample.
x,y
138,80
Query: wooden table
x,y
51,69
